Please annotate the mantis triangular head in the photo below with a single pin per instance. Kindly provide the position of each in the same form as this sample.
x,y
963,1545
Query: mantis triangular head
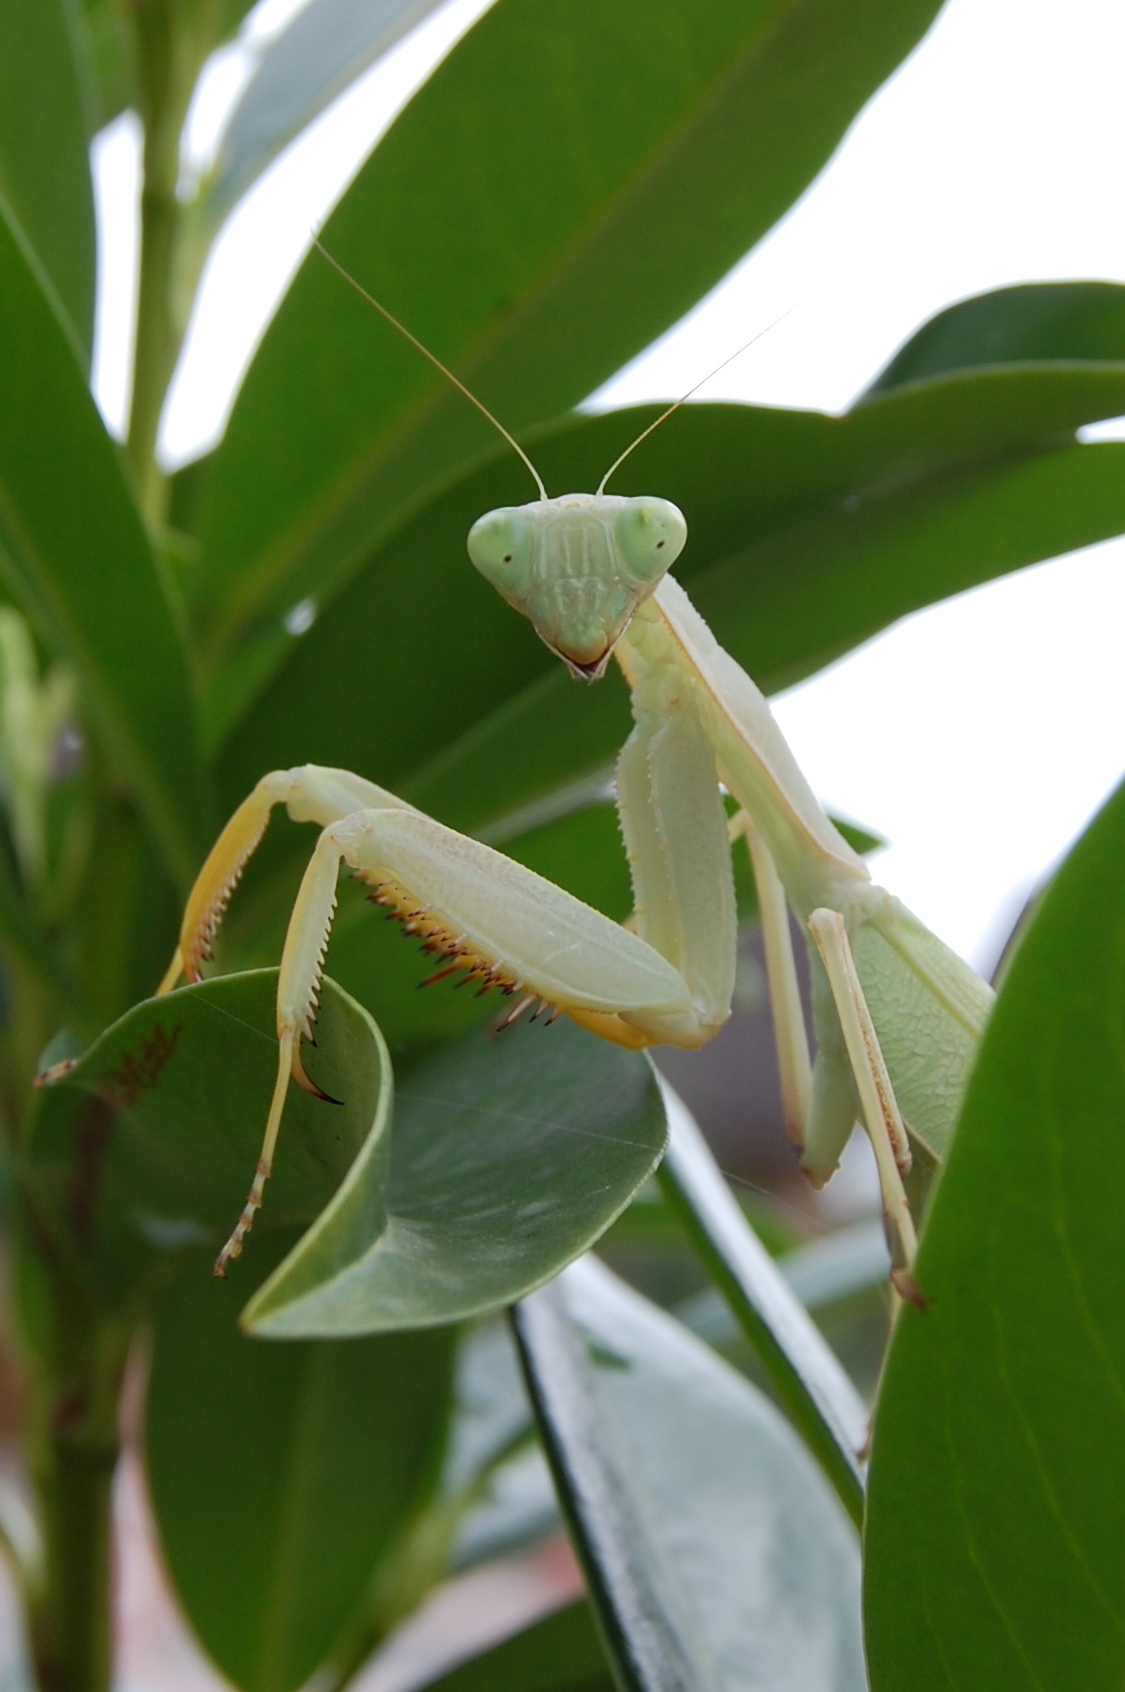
x,y
579,566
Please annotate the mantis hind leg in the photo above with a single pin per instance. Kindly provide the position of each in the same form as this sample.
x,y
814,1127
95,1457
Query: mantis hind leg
x,y
790,1034
879,1109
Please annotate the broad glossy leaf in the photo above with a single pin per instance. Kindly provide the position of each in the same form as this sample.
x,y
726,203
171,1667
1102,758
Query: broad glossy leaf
x,y
325,48
421,677
495,1470
46,85
146,1148
508,1158
75,555
283,1476
561,1653
555,160
997,1502
1069,321
717,1558
804,1372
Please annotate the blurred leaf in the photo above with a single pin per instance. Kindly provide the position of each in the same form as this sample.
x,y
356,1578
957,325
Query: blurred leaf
x,y
187,493
46,88
146,1148
569,195
508,1158
495,1473
283,1475
561,1653
716,1556
824,1405
1069,321
324,49
82,567
844,525
997,1505
112,58
20,930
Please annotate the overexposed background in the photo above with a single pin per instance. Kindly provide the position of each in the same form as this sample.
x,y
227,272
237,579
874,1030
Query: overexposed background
x,y
978,736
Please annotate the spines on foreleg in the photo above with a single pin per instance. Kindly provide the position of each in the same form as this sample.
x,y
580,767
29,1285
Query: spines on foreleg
x,y
220,875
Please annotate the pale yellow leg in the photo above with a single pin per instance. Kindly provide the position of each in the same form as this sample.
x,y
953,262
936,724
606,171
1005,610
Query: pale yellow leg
x,y
790,1033
219,877
311,793
298,987
250,1209
171,975
876,1095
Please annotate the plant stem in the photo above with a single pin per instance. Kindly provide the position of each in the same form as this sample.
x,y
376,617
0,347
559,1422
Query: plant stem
x,y
168,57
72,1621
73,1447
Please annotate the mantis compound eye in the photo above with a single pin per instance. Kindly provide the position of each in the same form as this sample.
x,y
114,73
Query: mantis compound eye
x,y
500,545
651,534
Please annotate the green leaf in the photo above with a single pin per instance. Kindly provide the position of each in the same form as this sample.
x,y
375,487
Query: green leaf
x,y
76,556
46,86
824,1405
146,1148
284,1476
508,1158
844,525
561,1653
325,48
22,933
114,67
997,1501
715,1554
1071,321
558,152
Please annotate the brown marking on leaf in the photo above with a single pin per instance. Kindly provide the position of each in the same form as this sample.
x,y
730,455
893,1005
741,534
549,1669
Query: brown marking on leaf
x,y
136,1072
139,1071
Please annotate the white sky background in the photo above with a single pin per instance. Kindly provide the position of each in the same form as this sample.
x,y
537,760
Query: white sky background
x,y
980,735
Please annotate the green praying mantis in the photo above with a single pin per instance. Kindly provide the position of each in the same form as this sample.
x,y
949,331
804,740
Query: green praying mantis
x,y
896,1014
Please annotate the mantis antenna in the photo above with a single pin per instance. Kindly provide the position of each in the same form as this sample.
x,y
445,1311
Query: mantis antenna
x,y
495,421
676,404
435,361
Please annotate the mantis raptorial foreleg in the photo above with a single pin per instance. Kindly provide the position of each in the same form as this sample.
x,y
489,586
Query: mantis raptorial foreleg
x,y
474,908
896,1014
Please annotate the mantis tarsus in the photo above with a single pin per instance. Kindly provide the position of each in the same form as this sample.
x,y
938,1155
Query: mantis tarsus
x,y
896,1014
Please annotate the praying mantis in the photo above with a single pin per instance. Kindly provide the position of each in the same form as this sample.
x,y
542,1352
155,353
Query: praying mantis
x,y
896,1014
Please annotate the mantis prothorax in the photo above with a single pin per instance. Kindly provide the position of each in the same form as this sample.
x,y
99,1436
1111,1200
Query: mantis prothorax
x,y
896,1014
